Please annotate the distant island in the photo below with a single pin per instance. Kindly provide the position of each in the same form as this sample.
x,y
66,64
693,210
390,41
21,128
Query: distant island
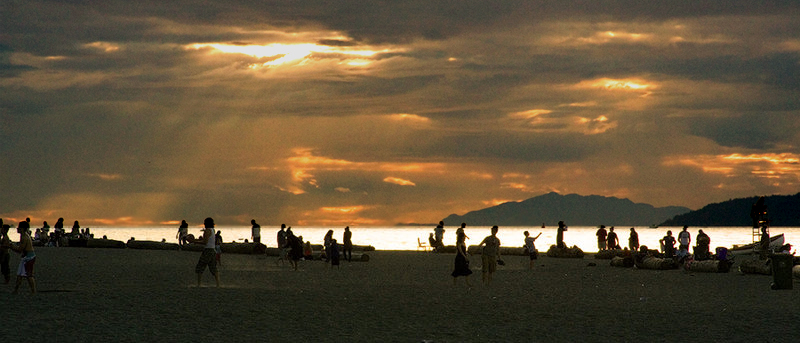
x,y
783,210
573,209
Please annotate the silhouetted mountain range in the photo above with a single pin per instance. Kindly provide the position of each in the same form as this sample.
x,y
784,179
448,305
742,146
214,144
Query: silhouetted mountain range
x,y
573,209
783,210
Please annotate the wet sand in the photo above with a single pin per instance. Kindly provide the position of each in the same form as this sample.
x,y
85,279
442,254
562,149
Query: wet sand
x,y
136,295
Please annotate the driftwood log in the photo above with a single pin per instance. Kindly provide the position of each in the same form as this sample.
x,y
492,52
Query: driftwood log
x,y
708,266
625,262
504,251
151,245
573,252
105,243
657,263
610,254
755,266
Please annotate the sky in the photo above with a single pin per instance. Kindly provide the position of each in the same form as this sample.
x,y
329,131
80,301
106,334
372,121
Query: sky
x,y
372,113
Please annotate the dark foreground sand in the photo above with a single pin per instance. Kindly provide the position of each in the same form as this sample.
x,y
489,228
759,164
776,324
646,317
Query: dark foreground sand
x,y
137,295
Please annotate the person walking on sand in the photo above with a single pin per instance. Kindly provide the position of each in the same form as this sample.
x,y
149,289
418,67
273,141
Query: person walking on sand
x,y
601,238
183,231
347,244
209,254
28,257
560,235
461,267
283,246
530,247
633,241
490,254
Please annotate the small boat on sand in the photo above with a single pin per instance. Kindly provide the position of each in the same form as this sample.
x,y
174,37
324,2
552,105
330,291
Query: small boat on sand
x,y
775,242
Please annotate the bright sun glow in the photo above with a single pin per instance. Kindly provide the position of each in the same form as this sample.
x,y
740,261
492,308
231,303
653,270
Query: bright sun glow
x,y
288,53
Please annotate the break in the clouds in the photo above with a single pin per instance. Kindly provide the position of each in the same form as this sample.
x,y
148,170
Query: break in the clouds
x,y
354,113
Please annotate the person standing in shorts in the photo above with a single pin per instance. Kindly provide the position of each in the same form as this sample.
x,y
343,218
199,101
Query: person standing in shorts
x,y
209,255
255,232
490,254
601,238
25,248
530,247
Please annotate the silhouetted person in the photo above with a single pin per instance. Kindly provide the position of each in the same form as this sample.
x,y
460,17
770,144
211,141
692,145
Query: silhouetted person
x,y
283,245
633,241
28,257
76,229
5,256
530,247
461,266
255,232
334,257
764,243
560,235
295,248
209,255
183,231
601,238
613,240
490,254
703,246
218,246
347,244
668,244
58,230
438,233
326,244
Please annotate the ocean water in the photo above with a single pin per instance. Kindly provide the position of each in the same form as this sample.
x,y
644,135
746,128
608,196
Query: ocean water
x,y
405,238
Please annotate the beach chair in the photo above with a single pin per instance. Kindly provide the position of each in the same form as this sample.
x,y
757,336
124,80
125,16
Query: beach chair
x,y
422,245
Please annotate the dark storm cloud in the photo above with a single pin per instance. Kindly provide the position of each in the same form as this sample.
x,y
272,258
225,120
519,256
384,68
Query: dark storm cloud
x,y
761,130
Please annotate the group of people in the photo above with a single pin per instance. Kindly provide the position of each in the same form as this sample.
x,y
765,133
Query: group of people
x,y
59,237
702,250
608,240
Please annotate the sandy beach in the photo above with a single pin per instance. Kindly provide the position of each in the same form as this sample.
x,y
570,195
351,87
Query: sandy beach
x,y
398,296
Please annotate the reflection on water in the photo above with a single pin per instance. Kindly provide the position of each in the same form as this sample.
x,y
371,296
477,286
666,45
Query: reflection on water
x,y
405,238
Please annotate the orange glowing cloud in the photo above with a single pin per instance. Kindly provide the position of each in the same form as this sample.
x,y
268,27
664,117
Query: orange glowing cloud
x,y
541,120
399,181
770,165
292,53
343,210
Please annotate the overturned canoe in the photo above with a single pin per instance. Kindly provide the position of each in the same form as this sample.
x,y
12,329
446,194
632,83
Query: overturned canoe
x,y
573,252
